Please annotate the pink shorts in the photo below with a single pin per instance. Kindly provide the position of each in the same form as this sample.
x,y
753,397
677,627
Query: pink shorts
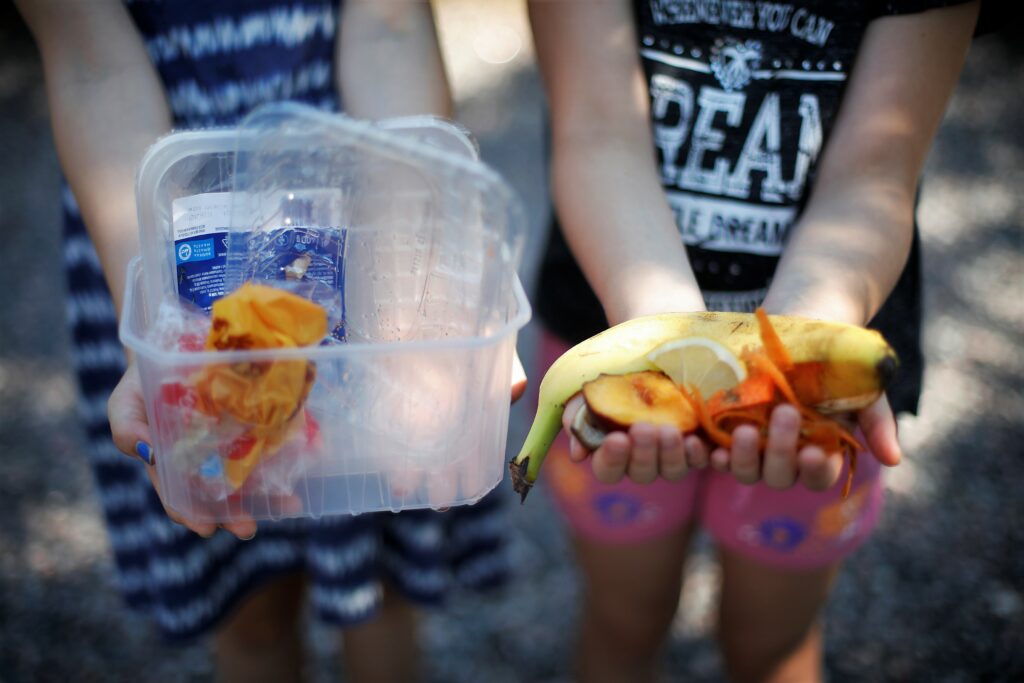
x,y
795,528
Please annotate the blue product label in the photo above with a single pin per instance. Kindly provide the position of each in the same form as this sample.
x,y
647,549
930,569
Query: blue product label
x,y
201,246
194,250
200,269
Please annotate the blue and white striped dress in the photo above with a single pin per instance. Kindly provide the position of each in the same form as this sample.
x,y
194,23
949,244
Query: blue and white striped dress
x,y
217,61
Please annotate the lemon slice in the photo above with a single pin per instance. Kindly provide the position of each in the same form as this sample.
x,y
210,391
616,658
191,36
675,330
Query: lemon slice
x,y
699,362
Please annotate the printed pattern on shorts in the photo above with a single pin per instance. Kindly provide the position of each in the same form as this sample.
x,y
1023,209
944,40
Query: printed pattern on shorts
x,y
794,528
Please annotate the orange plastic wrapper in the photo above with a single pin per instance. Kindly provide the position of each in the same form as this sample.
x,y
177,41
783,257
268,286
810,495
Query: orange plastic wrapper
x,y
264,396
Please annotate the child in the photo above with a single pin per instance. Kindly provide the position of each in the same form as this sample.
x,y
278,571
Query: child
x,y
789,138
118,77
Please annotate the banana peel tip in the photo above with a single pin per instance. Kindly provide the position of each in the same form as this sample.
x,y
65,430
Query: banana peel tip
x,y
520,483
886,369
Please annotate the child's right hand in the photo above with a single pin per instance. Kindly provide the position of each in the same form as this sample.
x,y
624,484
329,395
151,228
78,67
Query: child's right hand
x,y
130,428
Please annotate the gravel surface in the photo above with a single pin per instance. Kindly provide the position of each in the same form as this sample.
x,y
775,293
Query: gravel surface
x,y
936,595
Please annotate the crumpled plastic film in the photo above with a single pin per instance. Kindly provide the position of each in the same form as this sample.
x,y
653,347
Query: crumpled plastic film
x,y
265,396
262,317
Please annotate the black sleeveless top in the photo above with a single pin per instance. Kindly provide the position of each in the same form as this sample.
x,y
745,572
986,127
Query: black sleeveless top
x,y
743,96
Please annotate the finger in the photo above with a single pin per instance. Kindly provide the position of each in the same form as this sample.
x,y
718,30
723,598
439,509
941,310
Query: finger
x,y
577,453
403,482
697,455
818,471
245,529
281,506
780,451
609,461
672,465
471,478
441,488
126,411
878,424
204,529
745,460
720,460
643,460
518,378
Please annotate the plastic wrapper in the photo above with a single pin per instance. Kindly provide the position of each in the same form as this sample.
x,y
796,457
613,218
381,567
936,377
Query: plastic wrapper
x,y
237,417
293,239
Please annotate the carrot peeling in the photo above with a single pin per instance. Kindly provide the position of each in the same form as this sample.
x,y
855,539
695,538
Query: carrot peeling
x,y
771,370
772,342
719,436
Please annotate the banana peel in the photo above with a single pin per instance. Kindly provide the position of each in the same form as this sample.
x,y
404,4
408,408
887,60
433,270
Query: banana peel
x,y
838,367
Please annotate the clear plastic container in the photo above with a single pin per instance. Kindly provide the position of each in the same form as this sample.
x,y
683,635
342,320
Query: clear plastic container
x,y
411,411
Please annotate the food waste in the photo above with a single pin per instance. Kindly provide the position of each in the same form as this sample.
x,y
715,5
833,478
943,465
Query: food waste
x,y
708,373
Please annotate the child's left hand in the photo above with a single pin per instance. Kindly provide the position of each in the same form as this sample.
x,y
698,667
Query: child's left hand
x,y
782,465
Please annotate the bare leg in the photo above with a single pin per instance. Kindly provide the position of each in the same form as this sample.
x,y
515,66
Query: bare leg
x,y
631,595
262,640
386,648
769,626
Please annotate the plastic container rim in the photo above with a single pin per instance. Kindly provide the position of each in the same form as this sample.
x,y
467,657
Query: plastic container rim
x,y
171,146
179,145
148,349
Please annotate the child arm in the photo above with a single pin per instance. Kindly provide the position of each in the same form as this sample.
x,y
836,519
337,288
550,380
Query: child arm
x,y
850,245
389,62
610,202
106,107
604,178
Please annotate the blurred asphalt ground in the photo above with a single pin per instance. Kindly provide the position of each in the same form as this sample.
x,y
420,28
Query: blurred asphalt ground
x,y
936,595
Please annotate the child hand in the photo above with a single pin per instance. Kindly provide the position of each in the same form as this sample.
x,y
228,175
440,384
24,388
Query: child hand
x,y
643,454
129,425
647,452
518,377
782,465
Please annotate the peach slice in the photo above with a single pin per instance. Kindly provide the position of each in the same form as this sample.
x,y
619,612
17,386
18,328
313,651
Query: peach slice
x,y
618,401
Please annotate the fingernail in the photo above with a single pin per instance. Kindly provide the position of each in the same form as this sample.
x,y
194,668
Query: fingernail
x,y
145,452
247,538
